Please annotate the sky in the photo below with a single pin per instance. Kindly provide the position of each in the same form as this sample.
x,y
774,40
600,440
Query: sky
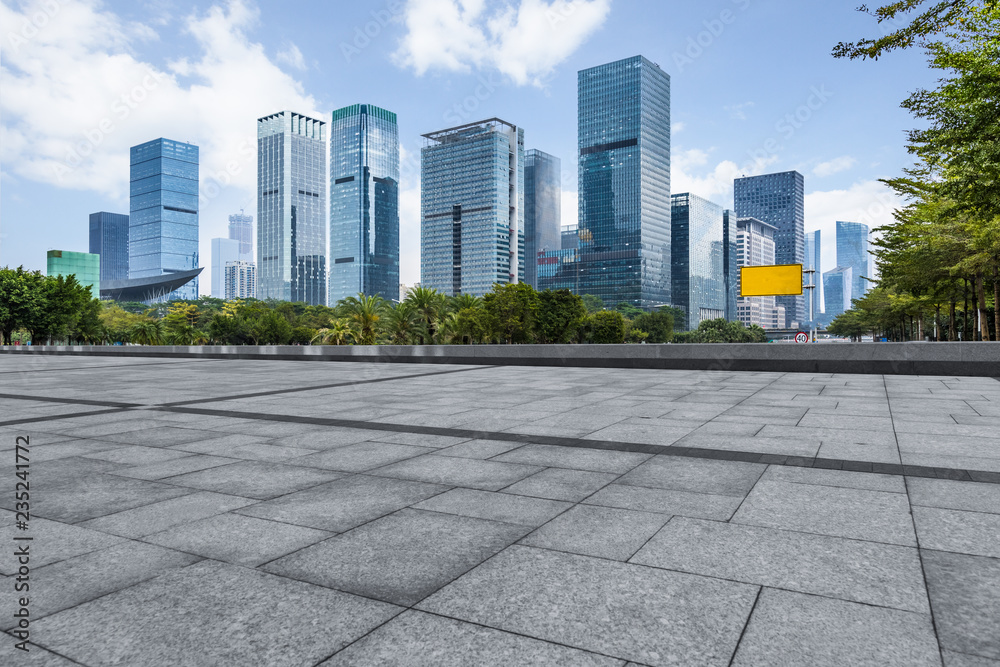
x,y
754,90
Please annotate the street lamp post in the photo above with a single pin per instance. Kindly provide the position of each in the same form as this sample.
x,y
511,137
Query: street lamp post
x,y
811,286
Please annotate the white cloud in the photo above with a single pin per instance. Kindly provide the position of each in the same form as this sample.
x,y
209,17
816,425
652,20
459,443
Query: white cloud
x,y
570,208
676,127
736,112
834,166
292,57
691,172
524,41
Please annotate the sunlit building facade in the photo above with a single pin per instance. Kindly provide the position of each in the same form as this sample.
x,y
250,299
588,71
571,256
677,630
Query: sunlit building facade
x,y
109,239
542,209
755,247
698,284
852,251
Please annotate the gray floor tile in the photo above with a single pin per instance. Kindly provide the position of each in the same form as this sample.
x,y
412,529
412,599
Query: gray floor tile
x,y
856,452
34,656
650,434
841,478
965,599
257,451
854,513
795,629
666,501
953,659
67,448
158,471
417,639
635,613
361,456
51,541
90,496
401,558
416,439
724,478
216,614
254,479
877,574
562,484
949,494
974,533
329,437
576,458
345,503
77,580
236,539
868,423
156,517
135,455
604,532
158,436
480,449
495,506
472,473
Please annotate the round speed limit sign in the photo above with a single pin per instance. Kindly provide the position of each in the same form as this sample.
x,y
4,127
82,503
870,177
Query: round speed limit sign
x,y
802,337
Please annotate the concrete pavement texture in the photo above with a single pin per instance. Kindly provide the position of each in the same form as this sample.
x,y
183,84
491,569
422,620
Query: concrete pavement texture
x,y
254,512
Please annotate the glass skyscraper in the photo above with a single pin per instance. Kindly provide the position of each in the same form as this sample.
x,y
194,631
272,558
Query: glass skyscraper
x,y
472,207
85,266
813,261
291,208
730,263
364,203
224,252
542,209
624,182
163,220
109,239
241,229
779,200
837,291
852,251
697,270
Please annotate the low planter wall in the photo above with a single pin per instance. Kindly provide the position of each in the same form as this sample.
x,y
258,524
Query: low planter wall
x,y
966,359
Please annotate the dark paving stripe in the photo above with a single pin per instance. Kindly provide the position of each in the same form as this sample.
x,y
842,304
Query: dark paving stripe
x,y
670,450
33,420
74,401
273,392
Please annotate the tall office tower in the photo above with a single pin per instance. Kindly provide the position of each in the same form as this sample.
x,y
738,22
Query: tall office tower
x,y
814,251
241,229
163,220
624,182
239,280
730,263
472,207
84,265
755,247
291,208
364,203
697,271
837,285
542,209
779,200
224,251
852,251
109,239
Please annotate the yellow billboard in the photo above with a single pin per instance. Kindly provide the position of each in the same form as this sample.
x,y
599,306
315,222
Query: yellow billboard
x,y
780,280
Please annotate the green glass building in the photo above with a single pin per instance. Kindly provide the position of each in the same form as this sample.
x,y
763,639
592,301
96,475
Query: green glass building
x,y
84,265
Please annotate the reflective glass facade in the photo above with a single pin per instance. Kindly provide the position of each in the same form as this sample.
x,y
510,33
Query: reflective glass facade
x,y
852,251
779,200
291,208
837,291
109,239
697,273
542,209
163,219
364,203
813,261
755,247
85,266
730,263
224,251
624,182
241,229
472,208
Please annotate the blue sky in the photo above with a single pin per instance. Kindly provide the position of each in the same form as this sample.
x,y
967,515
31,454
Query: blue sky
x,y
754,90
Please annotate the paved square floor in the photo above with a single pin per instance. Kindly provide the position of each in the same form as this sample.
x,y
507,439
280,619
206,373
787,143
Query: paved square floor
x,y
225,512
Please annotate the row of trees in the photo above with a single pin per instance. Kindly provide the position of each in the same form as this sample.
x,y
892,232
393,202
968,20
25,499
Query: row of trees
x,y
939,263
46,308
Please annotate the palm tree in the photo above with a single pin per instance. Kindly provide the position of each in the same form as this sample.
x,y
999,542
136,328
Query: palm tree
x,y
147,332
364,312
338,333
429,305
400,323
463,301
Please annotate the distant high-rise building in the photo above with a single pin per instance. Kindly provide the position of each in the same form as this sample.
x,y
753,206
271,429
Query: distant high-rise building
x,y
624,182
163,219
224,251
837,290
84,265
364,203
472,207
730,263
779,200
239,280
542,209
241,229
697,269
291,208
109,239
852,251
814,251
755,247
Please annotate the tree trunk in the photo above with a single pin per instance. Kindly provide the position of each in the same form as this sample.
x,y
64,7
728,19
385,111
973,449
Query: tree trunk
x,y
996,304
937,322
920,325
965,309
984,324
951,325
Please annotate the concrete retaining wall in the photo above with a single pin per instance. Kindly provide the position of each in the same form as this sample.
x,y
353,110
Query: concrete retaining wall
x,y
969,359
